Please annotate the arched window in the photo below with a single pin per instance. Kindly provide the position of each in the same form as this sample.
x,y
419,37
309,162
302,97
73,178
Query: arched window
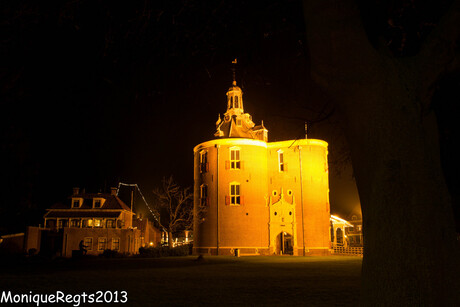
x,y
236,102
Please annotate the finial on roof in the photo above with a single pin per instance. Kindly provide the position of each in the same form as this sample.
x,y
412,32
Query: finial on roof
x,y
306,130
234,62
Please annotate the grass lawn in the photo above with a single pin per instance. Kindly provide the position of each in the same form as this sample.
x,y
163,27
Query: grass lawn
x,y
183,281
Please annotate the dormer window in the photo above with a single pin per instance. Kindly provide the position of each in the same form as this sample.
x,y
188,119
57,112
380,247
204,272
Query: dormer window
x,y
76,202
97,203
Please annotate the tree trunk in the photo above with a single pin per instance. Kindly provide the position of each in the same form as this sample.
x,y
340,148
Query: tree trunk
x,y
170,239
410,249
409,234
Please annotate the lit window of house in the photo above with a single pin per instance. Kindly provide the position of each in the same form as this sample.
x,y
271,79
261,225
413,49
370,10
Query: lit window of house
x,y
88,241
62,223
235,197
204,195
204,165
97,222
116,244
74,223
110,224
235,162
281,161
102,244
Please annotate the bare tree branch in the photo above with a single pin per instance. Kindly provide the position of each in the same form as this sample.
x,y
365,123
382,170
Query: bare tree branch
x,y
176,204
440,52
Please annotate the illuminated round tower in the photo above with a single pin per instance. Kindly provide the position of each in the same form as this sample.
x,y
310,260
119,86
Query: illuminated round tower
x,y
259,197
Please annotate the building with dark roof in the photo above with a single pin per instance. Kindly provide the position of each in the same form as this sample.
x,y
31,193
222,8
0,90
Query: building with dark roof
x,y
90,210
91,223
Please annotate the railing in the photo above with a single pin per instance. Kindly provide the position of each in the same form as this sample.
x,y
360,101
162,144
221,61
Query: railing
x,y
341,250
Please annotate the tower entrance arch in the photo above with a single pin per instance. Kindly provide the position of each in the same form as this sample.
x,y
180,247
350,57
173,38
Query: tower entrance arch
x,y
285,244
282,226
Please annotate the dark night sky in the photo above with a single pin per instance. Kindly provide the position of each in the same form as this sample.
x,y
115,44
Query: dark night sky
x,y
94,93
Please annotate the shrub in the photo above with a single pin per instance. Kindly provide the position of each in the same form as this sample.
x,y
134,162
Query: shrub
x,y
108,253
165,251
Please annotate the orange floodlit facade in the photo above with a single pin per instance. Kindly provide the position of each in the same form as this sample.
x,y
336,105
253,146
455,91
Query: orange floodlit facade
x,y
261,198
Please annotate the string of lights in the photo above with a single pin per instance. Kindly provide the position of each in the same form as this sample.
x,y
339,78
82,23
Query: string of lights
x,y
142,195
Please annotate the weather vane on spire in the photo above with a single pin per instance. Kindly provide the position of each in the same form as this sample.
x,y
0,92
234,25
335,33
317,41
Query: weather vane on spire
x,y
234,62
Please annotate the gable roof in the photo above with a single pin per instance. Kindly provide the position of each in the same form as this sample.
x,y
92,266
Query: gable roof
x,y
111,202
82,214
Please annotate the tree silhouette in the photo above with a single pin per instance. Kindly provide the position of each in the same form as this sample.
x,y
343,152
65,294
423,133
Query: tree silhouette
x,y
383,93
174,206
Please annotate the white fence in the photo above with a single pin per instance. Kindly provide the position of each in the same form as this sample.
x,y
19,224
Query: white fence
x,y
340,250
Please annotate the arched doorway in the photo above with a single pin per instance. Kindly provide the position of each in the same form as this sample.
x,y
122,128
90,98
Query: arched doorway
x,y
285,243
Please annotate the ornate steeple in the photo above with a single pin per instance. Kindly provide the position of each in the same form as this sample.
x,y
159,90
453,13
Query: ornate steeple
x,y
236,123
235,95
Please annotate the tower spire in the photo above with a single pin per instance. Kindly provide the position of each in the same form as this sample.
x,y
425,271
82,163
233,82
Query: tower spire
x,y
234,62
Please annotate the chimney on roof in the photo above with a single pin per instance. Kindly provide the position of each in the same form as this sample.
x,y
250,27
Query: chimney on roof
x,y
76,191
113,191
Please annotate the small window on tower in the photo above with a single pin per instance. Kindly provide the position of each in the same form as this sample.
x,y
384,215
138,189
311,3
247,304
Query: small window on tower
x,y
231,102
281,161
236,102
204,195
235,197
204,165
238,122
235,162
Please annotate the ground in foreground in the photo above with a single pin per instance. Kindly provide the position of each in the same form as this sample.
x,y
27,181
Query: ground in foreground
x,y
180,281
